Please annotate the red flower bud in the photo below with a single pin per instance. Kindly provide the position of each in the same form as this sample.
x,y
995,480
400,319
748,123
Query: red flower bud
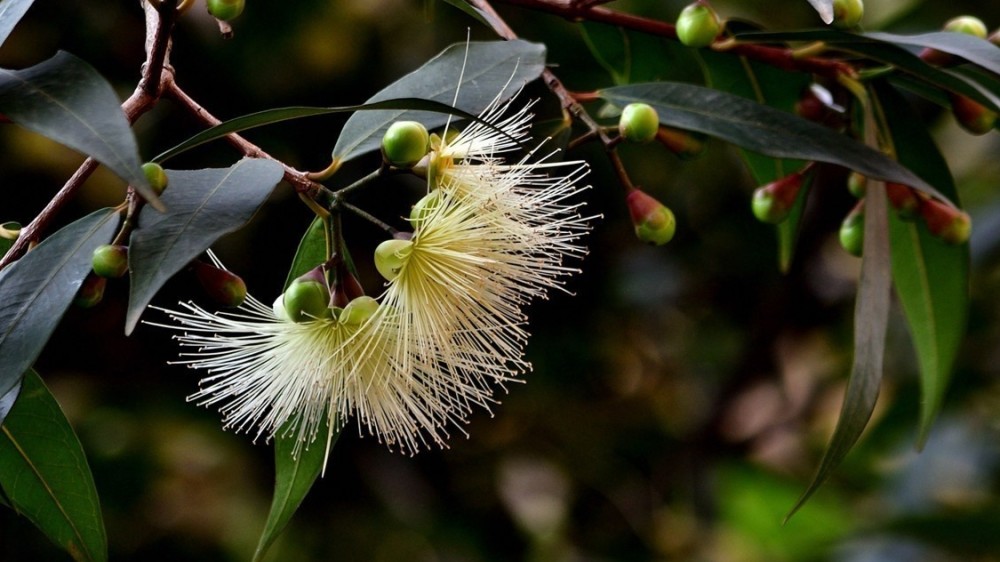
x,y
773,202
946,222
971,115
904,199
221,285
654,222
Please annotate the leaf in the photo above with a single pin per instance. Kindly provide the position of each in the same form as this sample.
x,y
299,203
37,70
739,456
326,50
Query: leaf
x,y
761,129
825,10
7,401
11,12
479,15
971,48
38,288
871,318
931,277
202,205
280,114
293,477
610,48
45,475
493,70
66,100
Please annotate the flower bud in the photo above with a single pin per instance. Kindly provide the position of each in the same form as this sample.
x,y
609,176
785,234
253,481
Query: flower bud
x,y
638,122
773,202
358,311
903,199
221,285
391,256
971,115
424,208
91,291
345,288
857,184
225,10
682,143
110,260
817,104
698,25
405,143
852,230
307,298
946,222
848,13
654,223
156,177
969,25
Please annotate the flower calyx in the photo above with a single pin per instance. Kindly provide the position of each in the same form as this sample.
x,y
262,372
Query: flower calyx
x,y
391,256
307,298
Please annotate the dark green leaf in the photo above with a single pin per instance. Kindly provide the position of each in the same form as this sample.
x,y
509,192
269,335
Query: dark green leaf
x,y
293,478
931,277
493,69
973,49
969,534
871,318
482,17
11,12
609,45
280,114
825,9
38,288
313,250
760,128
45,475
66,100
202,205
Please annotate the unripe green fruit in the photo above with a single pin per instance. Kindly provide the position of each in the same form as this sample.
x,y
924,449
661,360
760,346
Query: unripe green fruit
x,y
156,177
698,25
969,25
358,311
225,10
405,143
639,123
424,208
857,184
110,261
767,208
91,291
852,232
848,13
391,256
307,298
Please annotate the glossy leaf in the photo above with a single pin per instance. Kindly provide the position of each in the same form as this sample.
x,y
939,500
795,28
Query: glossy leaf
x,y
277,115
871,319
973,49
38,288
202,205
66,100
293,477
45,476
609,45
493,69
760,128
931,277
11,12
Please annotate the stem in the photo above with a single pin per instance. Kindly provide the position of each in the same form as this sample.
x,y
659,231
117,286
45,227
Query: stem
x,y
342,192
367,216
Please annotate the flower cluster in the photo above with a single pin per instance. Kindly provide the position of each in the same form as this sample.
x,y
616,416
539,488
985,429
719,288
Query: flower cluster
x,y
488,237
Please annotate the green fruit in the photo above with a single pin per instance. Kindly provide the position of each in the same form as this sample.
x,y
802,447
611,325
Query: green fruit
x,y
91,291
698,25
156,177
225,10
405,143
391,256
639,123
766,206
848,13
424,208
110,261
358,311
852,233
307,298
857,184
969,25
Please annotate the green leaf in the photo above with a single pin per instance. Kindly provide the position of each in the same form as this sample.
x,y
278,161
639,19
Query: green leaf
x,y
202,205
973,49
931,277
66,100
610,47
11,12
825,10
313,250
293,478
871,318
38,288
761,129
277,115
493,69
45,475
479,15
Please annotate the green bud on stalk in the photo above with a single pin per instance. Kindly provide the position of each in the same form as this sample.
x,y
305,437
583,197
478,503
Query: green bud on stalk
x,y
225,10
639,123
698,25
391,256
156,176
654,223
852,230
221,285
307,298
405,143
110,261
358,311
848,13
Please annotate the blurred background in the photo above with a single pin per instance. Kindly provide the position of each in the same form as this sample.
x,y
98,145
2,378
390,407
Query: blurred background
x,y
681,397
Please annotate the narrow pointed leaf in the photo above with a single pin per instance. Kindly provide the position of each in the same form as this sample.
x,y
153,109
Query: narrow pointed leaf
x,y
66,100
973,49
7,401
871,318
493,69
277,115
479,15
311,253
45,476
761,129
825,9
11,12
38,288
931,277
202,205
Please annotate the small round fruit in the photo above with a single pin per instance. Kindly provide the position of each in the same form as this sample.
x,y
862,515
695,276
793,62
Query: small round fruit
x,y
156,177
698,25
852,233
358,311
110,260
848,13
969,25
639,123
405,143
424,208
225,10
391,256
307,298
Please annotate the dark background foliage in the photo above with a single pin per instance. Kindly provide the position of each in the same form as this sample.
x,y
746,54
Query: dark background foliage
x,y
681,396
